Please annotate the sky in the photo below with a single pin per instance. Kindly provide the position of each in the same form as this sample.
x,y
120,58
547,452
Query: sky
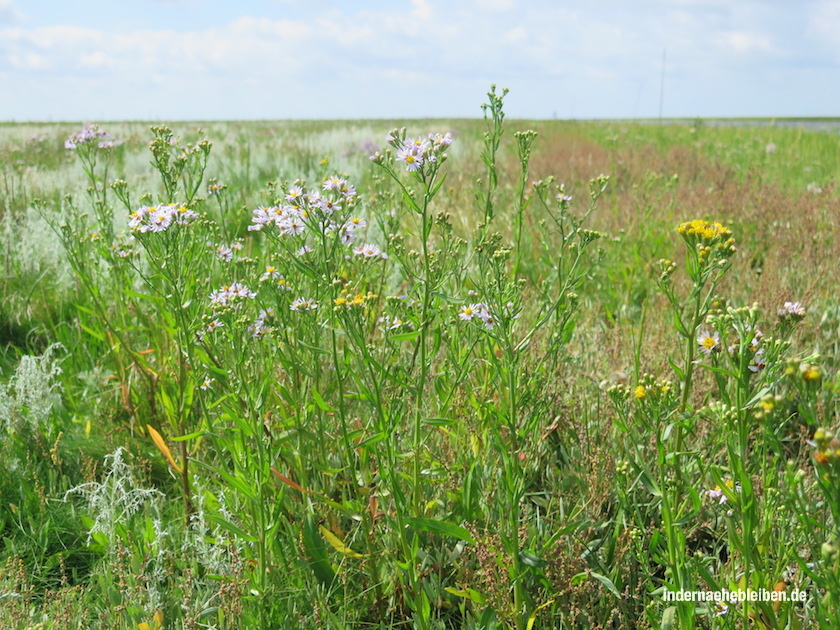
x,y
99,60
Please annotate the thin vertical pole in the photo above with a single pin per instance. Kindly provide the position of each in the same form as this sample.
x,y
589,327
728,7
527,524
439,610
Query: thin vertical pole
x,y
662,84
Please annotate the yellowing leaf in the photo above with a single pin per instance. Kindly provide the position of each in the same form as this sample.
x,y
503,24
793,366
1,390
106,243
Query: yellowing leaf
x,y
158,619
157,438
533,616
337,544
144,626
289,482
780,587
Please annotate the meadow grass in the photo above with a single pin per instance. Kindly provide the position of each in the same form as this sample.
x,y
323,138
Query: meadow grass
x,y
431,374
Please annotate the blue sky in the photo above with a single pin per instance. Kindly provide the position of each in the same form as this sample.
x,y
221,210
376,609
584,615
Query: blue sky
x,y
98,60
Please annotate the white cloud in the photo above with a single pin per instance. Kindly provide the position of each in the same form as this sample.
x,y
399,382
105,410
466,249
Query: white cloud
x,y
496,5
825,17
9,13
30,61
517,35
247,45
745,42
824,26
421,9
96,60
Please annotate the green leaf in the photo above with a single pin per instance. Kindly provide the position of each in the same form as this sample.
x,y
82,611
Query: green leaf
x,y
406,336
231,528
439,422
685,520
323,406
373,439
530,560
677,370
168,403
142,296
467,593
719,370
185,438
234,480
488,619
603,579
758,396
85,309
440,527
410,201
95,334
437,186
319,561
645,479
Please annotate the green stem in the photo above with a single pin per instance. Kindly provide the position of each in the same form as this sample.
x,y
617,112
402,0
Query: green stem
x,y
424,367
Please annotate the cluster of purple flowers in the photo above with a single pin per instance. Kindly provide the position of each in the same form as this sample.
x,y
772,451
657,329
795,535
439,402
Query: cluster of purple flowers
x,y
792,310
479,310
158,218
718,494
393,323
91,135
710,343
758,362
258,328
415,152
318,207
211,327
230,294
226,252
324,210
369,250
288,219
303,304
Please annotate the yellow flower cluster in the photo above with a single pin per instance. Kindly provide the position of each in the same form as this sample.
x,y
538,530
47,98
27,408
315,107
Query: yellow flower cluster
x,y
807,371
704,229
359,299
649,386
704,235
828,447
767,406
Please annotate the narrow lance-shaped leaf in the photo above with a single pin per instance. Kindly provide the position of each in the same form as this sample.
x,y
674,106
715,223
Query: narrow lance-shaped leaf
x,y
337,544
157,438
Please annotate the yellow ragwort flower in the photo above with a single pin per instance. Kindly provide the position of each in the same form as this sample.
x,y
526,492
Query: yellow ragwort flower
x,y
704,229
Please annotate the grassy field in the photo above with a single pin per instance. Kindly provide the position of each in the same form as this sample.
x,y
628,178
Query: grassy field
x,y
419,374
